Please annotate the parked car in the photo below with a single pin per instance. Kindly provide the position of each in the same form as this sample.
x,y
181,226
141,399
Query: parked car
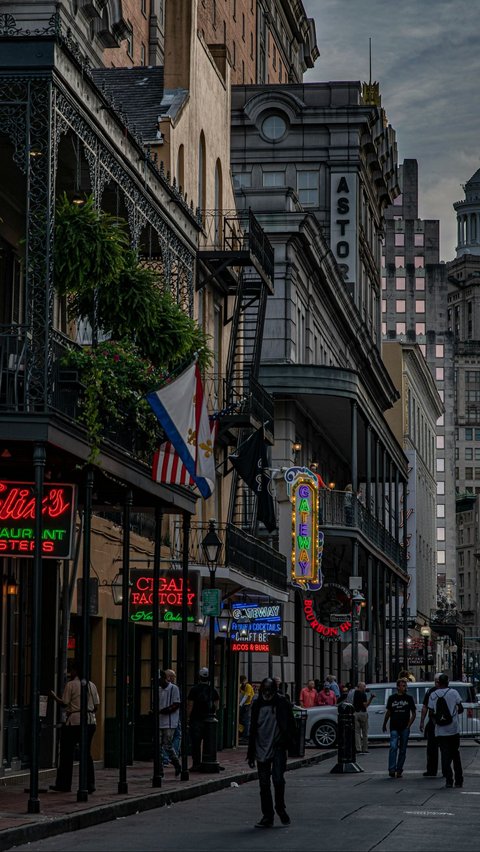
x,y
322,722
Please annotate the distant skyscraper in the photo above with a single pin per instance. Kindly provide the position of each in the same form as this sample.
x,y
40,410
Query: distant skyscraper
x,y
414,309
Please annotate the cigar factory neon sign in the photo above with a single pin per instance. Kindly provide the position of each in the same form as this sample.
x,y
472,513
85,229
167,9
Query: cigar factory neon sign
x,y
170,597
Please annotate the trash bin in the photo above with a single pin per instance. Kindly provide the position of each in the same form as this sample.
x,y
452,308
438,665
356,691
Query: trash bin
x,y
297,748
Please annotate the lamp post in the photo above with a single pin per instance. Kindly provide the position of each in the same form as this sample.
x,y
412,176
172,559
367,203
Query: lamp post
x,y
426,632
212,546
357,600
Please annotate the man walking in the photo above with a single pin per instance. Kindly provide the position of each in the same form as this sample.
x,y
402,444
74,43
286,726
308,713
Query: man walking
x,y
429,728
70,731
446,704
272,729
169,710
361,703
401,712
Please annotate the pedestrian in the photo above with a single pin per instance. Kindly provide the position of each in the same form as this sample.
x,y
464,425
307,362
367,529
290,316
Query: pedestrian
x,y
333,685
177,737
361,702
70,730
308,695
348,504
326,697
245,708
169,717
446,704
272,730
429,729
401,712
198,710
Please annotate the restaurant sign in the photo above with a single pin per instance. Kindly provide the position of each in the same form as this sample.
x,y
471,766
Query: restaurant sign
x,y
253,624
17,519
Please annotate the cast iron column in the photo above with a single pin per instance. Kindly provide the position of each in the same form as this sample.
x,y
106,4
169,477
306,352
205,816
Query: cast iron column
x,y
82,792
39,456
184,651
397,627
157,757
355,621
209,756
122,775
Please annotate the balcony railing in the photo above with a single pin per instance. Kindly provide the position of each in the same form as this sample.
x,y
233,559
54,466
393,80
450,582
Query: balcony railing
x,y
239,234
343,509
256,403
240,550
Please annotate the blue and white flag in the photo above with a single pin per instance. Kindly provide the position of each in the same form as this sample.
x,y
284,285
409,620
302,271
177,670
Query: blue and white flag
x,y
181,410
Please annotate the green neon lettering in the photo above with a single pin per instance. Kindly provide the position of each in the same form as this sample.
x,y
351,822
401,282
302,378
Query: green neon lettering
x,y
303,541
304,505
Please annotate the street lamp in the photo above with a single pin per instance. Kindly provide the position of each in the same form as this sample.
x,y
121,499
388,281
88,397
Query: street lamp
x,y
212,546
426,632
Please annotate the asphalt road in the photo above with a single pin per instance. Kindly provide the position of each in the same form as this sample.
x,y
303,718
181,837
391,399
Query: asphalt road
x,y
367,811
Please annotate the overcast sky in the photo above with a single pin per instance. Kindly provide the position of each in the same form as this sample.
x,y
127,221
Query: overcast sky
x,y
426,57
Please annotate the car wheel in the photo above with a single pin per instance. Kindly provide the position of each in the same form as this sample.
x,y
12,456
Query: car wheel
x,y
324,734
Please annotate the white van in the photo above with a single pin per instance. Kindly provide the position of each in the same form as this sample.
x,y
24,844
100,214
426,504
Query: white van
x,y
322,722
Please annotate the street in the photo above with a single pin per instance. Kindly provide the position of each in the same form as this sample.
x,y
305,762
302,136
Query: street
x,y
367,811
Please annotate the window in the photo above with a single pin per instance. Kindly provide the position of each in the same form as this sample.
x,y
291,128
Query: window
x,y
441,510
400,306
274,127
130,41
202,174
400,328
419,261
234,10
274,178
439,350
144,7
399,261
307,187
440,465
399,239
420,329
440,442
398,201
441,559
477,434
441,420
384,283
384,329
180,167
469,473
383,261
243,26
468,453
439,374
400,283
440,488
440,533
469,434
218,203
214,15
419,306
420,283
242,180
419,240
142,55
251,45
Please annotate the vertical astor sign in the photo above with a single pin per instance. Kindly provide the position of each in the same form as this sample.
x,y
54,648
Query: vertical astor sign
x,y
305,556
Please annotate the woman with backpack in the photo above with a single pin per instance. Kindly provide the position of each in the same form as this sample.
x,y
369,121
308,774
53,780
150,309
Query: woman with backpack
x,y
446,704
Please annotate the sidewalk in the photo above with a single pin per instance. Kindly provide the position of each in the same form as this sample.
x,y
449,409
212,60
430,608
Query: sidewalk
x,y
60,812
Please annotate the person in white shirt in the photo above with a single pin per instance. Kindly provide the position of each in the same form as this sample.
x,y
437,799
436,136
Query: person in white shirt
x,y
447,729
169,710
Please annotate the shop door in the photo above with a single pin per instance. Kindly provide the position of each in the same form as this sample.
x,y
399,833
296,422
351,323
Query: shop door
x,y
113,710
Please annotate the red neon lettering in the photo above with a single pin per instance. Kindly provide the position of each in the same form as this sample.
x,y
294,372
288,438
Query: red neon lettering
x,y
18,503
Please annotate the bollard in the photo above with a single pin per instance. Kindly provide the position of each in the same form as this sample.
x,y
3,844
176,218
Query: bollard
x,y
347,755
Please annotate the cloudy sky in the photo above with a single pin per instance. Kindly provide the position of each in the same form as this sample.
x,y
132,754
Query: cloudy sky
x,y
426,57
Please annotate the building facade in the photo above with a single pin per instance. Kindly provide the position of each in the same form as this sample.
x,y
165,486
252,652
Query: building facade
x,y
311,185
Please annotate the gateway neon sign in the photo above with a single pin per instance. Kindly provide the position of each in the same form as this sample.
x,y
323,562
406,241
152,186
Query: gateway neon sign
x,y
307,540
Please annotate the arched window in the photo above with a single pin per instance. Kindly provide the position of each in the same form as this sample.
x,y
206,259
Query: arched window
x,y
202,175
218,204
181,168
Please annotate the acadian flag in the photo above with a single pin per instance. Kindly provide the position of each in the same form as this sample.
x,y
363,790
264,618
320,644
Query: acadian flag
x,y
181,411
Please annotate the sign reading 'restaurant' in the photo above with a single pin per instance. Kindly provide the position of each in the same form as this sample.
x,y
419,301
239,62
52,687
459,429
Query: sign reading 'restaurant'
x,y
17,519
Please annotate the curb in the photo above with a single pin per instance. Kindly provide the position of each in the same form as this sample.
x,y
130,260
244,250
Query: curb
x,y
126,807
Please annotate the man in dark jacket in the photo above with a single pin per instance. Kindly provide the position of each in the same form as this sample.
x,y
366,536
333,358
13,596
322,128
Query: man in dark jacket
x,y
272,729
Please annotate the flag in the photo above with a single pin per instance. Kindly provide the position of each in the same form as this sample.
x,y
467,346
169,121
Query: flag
x,y
181,411
169,468
251,463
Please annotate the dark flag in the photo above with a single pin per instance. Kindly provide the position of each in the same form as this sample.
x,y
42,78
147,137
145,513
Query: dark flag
x,y
251,464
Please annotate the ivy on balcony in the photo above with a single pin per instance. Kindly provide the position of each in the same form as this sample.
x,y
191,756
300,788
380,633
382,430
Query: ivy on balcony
x,y
146,334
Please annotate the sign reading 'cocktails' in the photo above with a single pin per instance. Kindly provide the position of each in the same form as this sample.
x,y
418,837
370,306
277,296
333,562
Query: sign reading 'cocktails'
x,y
17,519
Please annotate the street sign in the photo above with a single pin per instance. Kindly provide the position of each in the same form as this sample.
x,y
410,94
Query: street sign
x,y
211,602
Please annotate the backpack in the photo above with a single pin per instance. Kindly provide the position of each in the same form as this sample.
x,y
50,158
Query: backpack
x,y
442,712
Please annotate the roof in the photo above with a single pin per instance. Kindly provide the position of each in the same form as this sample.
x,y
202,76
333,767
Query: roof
x,y
139,93
474,180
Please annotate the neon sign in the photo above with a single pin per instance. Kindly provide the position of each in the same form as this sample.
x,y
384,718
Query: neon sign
x,y
17,508
326,606
252,625
307,540
170,597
